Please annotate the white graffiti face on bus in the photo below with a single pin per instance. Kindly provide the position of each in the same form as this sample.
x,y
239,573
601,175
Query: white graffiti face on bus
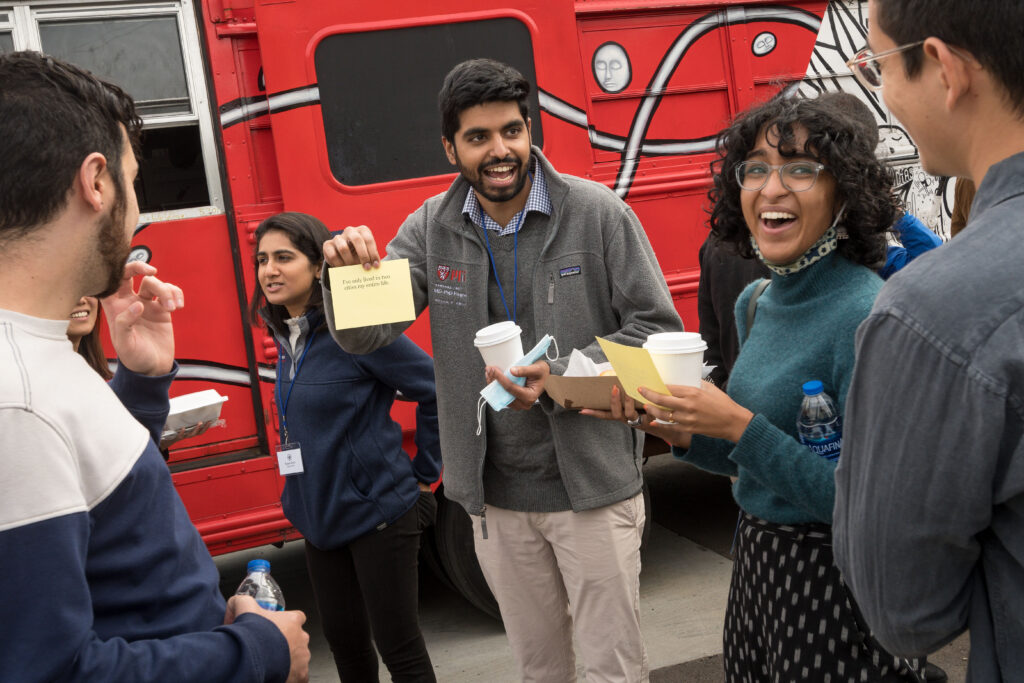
x,y
612,69
764,43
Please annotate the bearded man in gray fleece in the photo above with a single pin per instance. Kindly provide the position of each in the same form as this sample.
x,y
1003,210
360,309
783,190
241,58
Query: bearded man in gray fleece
x,y
554,496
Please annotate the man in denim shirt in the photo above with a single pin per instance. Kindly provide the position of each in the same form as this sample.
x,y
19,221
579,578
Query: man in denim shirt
x,y
930,501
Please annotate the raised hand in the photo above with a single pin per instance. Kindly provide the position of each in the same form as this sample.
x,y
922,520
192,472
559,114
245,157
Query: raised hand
x,y
355,245
140,320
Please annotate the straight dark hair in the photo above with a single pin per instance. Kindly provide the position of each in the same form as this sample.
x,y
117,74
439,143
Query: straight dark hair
x,y
988,29
307,234
91,349
479,81
835,137
52,116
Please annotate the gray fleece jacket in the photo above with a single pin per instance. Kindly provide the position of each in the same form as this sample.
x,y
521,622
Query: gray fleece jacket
x,y
597,276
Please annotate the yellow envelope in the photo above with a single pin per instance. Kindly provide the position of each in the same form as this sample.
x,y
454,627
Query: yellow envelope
x,y
372,297
634,368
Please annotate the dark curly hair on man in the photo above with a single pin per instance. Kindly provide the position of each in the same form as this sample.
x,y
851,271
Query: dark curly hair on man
x,y
835,137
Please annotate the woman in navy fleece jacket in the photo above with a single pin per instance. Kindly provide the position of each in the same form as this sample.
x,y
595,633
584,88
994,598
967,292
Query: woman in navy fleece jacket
x,y
359,499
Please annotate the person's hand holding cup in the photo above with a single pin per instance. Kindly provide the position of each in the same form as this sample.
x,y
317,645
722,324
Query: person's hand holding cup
x,y
678,357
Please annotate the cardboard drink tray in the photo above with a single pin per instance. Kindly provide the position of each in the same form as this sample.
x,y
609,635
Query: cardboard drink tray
x,y
575,393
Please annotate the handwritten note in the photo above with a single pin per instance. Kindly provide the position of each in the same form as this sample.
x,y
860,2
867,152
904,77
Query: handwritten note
x,y
634,368
372,297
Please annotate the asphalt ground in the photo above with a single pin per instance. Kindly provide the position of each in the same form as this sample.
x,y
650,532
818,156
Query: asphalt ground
x,y
684,582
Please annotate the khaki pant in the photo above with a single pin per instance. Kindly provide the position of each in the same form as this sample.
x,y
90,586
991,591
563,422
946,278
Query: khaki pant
x,y
551,570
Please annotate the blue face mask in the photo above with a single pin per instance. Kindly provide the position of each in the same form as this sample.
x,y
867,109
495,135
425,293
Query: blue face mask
x,y
496,395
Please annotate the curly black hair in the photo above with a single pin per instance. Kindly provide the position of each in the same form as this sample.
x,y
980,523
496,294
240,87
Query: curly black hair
x,y
835,137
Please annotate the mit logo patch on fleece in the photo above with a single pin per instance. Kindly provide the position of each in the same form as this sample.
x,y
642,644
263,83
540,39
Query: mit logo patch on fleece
x,y
571,270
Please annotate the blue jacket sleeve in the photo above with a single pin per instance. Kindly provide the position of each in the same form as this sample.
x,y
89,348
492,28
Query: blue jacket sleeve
x,y
145,397
915,236
50,608
48,632
405,367
916,239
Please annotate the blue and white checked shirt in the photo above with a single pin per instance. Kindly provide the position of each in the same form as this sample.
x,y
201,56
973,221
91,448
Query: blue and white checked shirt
x,y
538,200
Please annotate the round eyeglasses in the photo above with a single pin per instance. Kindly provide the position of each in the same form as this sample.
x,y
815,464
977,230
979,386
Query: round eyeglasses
x,y
796,176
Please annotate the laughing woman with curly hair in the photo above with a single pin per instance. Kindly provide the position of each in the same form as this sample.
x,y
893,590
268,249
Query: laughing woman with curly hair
x,y
798,185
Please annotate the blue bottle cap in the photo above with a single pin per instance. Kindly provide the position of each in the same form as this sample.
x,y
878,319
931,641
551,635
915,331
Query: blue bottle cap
x,y
258,566
813,388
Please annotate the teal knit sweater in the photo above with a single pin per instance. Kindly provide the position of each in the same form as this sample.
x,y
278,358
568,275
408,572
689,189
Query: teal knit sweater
x,y
804,330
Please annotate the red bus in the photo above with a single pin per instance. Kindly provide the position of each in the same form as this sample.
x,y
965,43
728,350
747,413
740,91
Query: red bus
x,y
252,107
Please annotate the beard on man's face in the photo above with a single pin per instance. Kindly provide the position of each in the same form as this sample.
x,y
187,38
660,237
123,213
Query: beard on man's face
x,y
476,180
113,247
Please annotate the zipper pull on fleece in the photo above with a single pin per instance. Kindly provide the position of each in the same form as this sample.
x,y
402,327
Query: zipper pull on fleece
x,y
483,522
551,288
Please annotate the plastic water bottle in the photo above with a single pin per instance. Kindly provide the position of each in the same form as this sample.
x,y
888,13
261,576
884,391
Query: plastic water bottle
x,y
261,585
818,424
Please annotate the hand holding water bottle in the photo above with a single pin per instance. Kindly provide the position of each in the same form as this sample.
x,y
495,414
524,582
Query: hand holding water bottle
x,y
261,585
259,594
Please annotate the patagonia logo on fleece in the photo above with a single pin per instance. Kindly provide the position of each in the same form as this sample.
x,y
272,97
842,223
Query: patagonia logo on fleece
x,y
571,270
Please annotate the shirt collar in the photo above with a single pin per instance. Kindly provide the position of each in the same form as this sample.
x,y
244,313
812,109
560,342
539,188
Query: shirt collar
x,y
538,200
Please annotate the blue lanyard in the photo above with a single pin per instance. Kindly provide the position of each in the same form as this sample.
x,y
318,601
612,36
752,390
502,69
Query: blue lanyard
x,y
284,403
515,261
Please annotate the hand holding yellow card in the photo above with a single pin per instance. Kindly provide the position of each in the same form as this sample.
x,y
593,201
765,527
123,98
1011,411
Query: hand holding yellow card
x,y
372,297
634,368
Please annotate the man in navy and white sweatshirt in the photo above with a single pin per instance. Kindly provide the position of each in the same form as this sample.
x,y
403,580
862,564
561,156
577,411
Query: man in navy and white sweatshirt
x,y
104,577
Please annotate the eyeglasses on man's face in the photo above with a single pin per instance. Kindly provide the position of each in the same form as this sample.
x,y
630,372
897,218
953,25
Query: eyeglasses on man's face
x,y
868,71
866,67
796,176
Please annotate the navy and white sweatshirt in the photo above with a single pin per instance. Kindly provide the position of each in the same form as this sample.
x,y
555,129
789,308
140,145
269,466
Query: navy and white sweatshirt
x,y
356,476
102,575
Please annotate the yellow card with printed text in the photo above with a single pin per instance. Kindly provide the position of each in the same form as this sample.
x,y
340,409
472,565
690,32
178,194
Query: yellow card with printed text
x,y
634,368
372,297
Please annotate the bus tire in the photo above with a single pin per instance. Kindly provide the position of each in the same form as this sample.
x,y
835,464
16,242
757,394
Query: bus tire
x,y
453,533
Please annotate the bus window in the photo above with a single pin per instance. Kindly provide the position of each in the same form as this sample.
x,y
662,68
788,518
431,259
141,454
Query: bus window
x,y
378,93
171,175
153,53
141,54
6,36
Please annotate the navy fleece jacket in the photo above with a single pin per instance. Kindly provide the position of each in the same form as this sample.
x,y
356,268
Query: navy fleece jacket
x,y
356,476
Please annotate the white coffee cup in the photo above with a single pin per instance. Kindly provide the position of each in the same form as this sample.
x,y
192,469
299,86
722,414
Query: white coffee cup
x,y
678,356
500,344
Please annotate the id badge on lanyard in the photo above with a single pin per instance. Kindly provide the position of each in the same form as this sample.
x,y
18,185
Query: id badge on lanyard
x,y
289,453
289,459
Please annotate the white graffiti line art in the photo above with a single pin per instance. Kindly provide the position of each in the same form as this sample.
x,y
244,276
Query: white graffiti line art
x,y
843,33
611,67
615,143
674,55
273,104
